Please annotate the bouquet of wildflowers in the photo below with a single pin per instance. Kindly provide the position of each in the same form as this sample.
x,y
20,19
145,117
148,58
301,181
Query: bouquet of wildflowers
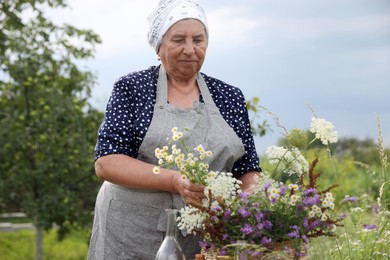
x,y
272,213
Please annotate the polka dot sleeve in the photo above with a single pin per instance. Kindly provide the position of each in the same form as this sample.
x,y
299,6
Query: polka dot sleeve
x,y
128,114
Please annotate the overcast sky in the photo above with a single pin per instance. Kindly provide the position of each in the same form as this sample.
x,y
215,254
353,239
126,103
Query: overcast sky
x,y
331,54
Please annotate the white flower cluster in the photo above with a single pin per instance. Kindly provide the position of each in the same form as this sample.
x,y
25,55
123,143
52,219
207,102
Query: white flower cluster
x,y
294,199
222,184
323,130
316,211
190,218
291,161
328,201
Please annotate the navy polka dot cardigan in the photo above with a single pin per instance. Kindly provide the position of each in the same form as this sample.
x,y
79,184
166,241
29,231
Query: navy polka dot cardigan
x,y
130,110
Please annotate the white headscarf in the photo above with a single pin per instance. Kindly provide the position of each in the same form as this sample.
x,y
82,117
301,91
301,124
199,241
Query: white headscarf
x,y
167,13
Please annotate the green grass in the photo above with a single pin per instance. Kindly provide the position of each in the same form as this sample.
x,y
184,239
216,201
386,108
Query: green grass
x,y
20,245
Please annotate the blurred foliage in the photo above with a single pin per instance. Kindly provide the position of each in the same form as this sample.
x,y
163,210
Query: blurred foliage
x,y
352,163
254,109
48,129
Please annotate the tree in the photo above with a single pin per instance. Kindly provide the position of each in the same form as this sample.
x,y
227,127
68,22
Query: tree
x,y
48,128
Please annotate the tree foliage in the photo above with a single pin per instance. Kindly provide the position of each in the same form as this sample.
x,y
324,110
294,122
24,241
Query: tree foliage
x,y
48,128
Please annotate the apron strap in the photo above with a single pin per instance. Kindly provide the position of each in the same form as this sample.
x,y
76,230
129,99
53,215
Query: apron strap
x,y
162,89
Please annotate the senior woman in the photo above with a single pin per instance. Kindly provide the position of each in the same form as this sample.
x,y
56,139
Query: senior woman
x,y
143,108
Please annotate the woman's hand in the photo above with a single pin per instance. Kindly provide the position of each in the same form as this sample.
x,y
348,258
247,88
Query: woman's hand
x,y
189,191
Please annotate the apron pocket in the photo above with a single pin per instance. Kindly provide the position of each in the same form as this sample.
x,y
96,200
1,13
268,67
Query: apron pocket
x,y
132,230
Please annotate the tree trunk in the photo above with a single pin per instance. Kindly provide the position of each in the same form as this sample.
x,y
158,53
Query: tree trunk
x,y
38,243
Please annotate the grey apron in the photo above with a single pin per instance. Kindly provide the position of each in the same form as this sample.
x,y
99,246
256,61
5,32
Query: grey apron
x,y
130,223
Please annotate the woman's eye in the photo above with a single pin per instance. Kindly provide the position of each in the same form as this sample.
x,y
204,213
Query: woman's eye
x,y
177,40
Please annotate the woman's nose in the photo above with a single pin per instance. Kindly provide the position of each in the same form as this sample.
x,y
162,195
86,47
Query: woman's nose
x,y
189,47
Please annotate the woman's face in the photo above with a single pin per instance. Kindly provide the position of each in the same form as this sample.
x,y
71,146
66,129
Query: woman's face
x,y
183,49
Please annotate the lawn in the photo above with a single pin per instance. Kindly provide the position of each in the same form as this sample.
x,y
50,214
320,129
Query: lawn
x,y
20,245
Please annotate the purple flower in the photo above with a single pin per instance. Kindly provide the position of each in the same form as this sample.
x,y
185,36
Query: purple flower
x,y
295,227
244,195
305,223
214,218
349,199
282,190
305,239
293,234
300,254
343,216
226,214
310,191
267,224
265,240
259,216
216,208
260,226
244,212
247,229
314,224
273,200
222,251
203,244
225,237
310,201
267,185
369,227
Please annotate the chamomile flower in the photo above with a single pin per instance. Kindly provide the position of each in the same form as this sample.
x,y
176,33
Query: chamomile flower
x,y
156,170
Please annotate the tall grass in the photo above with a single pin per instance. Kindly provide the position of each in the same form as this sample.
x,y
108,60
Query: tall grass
x,y
366,230
20,245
